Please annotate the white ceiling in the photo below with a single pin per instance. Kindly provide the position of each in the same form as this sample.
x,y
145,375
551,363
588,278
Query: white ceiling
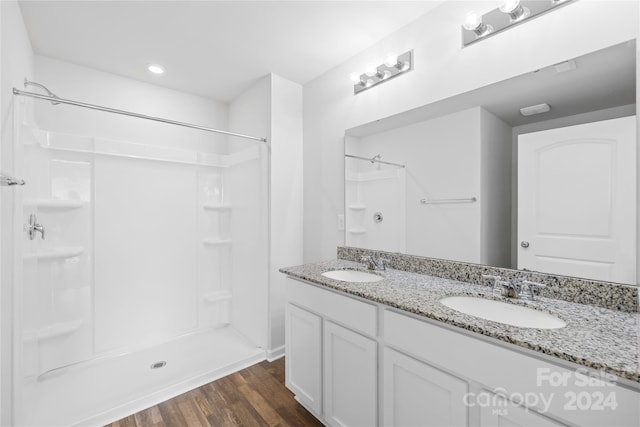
x,y
213,48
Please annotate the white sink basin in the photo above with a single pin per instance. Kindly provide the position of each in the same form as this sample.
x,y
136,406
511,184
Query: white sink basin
x,y
352,276
510,314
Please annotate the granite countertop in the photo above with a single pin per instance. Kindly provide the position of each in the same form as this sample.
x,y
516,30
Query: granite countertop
x,y
595,337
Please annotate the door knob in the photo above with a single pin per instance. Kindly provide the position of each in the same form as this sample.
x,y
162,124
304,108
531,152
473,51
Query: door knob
x,y
524,244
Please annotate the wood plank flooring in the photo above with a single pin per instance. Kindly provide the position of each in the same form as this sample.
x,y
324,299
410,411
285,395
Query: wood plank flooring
x,y
255,396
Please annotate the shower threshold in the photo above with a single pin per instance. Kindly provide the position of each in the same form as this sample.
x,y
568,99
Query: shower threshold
x,y
111,389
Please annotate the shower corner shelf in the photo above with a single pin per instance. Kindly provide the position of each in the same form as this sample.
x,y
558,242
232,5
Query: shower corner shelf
x,y
357,207
217,206
54,204
216,242
357,231
55,254
54,330
216,296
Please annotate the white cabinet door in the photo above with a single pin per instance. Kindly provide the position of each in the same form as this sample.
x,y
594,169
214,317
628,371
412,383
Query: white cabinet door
x,y
304,352
497,411
350,386
577,200
416,394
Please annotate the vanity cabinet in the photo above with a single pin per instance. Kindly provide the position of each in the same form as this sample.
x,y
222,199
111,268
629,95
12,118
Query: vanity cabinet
x,y
357,363
540,389
331,355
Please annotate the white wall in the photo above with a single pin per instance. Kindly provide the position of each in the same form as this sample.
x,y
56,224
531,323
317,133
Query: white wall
x,y
250,114
273,108
442,69
16,64
286,198
496,184
89,85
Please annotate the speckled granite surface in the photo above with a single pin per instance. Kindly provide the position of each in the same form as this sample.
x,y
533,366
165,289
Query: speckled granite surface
x,y
596,337
614,296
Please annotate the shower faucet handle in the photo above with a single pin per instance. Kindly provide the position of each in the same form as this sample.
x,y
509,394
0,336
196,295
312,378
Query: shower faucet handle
x,y
34,227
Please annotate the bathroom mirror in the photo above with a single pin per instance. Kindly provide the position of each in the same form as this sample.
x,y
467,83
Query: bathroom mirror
x,y
442,180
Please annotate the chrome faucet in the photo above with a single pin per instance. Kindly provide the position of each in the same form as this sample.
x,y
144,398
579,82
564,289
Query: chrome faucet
x,y
374,263
518,288
34,227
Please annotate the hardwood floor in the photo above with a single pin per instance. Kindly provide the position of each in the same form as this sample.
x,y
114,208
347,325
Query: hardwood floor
x,y
255,396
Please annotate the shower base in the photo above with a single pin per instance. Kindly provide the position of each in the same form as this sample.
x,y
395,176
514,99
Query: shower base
x,y
107,390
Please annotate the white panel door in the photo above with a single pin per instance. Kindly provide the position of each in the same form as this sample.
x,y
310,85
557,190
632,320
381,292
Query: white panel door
x,y
350,367
304,352
577,200
416,394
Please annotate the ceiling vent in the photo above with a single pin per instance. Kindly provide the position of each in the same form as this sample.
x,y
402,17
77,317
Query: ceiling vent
x,y
535,109
565,66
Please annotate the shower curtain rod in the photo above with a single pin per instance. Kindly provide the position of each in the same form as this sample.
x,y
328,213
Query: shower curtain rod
x,y
55,99
374,160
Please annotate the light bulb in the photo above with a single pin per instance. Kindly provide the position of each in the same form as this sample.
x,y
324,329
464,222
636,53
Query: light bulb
x,y
355,77
369,83
382,75
392,60
155,69
371,70
508,6
472,21
515,10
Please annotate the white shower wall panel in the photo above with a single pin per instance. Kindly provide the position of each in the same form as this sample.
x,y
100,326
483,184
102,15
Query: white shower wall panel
x,y
250,247
57,287
145,251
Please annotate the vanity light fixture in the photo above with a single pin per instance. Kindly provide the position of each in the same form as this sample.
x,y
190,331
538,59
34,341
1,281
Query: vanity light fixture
x,y
393,66
509,13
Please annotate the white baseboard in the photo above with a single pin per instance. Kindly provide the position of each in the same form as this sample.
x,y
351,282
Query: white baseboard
x,y
275,353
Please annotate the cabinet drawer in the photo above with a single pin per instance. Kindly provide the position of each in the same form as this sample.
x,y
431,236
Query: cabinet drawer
x,y
357,315
572,395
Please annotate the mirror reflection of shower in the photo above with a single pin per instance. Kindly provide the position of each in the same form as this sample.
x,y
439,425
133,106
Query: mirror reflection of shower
x,y
373,187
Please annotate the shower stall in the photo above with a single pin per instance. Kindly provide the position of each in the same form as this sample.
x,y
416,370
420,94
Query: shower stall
x,y
140,255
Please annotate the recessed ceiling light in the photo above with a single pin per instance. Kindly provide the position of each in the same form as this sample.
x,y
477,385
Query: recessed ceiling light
x,y
155,69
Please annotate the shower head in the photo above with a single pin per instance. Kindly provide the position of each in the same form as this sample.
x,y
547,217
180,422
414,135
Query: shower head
x,y
49,93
